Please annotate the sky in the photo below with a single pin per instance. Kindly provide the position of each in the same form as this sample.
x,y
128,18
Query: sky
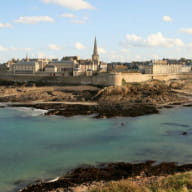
x,y
126,30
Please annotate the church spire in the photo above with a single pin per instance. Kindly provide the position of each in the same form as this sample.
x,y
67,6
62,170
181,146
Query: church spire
x,y
95,51
95,57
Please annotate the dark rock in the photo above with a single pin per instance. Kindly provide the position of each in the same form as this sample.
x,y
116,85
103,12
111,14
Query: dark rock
x,y
107,172
184,133
168,106
100,111
187,105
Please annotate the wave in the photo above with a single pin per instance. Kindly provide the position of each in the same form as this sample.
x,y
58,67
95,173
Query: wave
x,y
31,111
3,104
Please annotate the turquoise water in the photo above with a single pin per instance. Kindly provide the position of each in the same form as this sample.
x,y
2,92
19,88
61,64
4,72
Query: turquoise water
x,y
35,147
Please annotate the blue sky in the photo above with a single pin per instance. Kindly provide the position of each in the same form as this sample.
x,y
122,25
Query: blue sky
x,y
126,30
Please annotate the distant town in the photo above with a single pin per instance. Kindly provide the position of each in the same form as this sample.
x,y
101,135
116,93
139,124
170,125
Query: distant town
x,y
74,66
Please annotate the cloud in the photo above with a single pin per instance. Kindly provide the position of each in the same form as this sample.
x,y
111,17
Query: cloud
x,y
134,40
133,37
79,46
5,25
124,50
68,15
80,20
153,40
41,55
34,19
186,30
75,18
167,19
2,48
159,40
54,47
27,49
71,4
102,50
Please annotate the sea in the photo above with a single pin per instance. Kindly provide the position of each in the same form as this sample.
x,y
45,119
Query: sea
x,y
37,147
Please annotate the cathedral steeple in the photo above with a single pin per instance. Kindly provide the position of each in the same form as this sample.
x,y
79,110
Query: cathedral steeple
x,y
95,56
95,51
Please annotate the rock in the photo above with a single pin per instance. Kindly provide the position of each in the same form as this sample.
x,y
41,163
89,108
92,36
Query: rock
x,y
82,176
145,93
184,133
100,111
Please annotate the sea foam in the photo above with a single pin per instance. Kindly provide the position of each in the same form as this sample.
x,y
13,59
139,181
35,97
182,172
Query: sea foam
x,y
31,111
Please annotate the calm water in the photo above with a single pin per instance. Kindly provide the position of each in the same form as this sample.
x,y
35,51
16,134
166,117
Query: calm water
x,y
34,147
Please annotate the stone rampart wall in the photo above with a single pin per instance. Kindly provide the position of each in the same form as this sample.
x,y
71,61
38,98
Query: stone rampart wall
x,y
138,77
103,79
131,78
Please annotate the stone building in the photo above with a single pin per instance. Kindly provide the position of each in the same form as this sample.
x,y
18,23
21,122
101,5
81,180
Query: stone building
x,y
3,68
51,69
91,66
145,69
25,67
63,67
29,66
67,66
167,66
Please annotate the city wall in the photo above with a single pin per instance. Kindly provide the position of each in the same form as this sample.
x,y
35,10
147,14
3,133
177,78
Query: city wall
x,y
138,77
43,78
103,79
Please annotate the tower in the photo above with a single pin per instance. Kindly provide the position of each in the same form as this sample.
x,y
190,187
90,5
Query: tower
x,y
27,57
95,57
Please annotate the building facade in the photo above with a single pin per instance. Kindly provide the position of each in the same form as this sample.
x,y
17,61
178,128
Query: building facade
x,y
28,66
167,66
67,66
88,67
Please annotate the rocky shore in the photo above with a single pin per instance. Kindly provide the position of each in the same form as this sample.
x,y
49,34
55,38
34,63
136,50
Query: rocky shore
x,y
128,100
96,175
98,111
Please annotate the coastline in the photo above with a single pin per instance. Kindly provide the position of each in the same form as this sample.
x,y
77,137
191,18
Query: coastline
x,y
98,111
97,175
86,177
103,107
130,100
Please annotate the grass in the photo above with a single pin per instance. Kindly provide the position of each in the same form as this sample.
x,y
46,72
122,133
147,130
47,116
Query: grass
x,y
181,182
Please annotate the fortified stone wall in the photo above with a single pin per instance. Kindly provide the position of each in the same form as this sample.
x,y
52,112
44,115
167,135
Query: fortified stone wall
x,y
131,77
164,77
138,77
103,79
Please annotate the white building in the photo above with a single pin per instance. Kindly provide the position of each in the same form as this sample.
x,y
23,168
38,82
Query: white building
x,y
25,67
51,69
169,67
88,67
64,67
29,66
